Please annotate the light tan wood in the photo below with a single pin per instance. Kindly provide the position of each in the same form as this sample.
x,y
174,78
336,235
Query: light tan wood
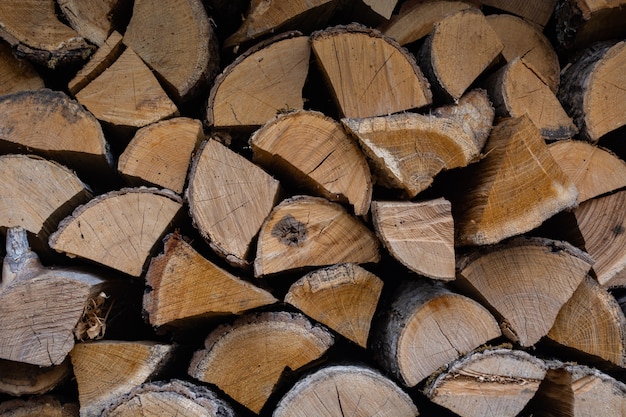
x,y
106,369
32,28
407,150
526,281
517,90
110,50
19,378
160,154
127,94
390,82
37,194
315,152
382,8
174,397
93,19
183,286
592,322
592,90
46,406
118,229
525,40
425,326
593,170
497,202
240,98
537,11
247,358
305,231
416,18
184,52
339,389
343,297
229,198
16,74
475,44
496,381
418,234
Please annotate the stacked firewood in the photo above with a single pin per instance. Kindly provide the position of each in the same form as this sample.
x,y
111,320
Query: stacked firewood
x,y
313,208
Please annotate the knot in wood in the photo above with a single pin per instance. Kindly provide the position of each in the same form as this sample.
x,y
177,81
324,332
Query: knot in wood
x,y
289,231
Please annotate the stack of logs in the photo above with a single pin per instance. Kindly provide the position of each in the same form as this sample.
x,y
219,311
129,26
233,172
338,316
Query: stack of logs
x,y
313,208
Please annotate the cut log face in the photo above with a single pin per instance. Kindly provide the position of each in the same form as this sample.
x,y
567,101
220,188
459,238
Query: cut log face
x,y
592,322
498,203
118,229
92,19
299,231
418,234
184,285
46,406
475,46
340,389
427,327
247,358
16,74
343,297
592,90
526,282
497,382
183,49
229,198
537,11
315,151
390,82
19,378
240,98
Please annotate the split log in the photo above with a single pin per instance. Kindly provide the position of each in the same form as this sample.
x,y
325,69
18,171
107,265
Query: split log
x,y
592,322
46,406
169,398
229,198
517,90
382,8
390,82
426,327
19,378
107,369
524,40
160,154
343,297
592,90
181,49
416,18
118,229
593,170
182,285
537,11
525,282
418,234
315,152
305,231
497,202
476,46
34,32
247,358
240,98
16,74
94,20
351,390
496,381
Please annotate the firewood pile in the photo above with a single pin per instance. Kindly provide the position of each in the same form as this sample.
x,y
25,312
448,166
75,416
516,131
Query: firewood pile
x,y
313,208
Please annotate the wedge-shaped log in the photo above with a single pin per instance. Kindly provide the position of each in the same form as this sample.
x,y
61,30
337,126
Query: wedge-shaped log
x,y
240,98
343,297
103,58
19,378
305,231
592,322
45,406
247,358
17,74
580,23
425,327
94,19
166,397
476,46
496,381
418,234
338,389
497,202
106,369
390,82
537,11
184,285
316,153
118,229
182,49
525,281
229,198
593,90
